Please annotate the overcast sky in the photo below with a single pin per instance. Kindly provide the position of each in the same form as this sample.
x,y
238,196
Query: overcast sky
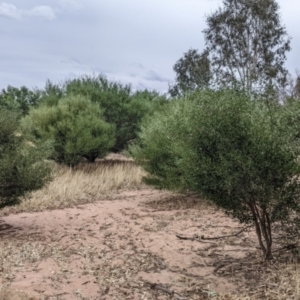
x,y
131,41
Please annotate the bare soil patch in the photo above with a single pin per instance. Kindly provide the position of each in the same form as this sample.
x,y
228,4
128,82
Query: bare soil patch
x,y
126,248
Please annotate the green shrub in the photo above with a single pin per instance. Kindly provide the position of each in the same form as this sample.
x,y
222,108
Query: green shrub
x,y
290,117
121,107
22,164
229,149
19,99
76,127
161,142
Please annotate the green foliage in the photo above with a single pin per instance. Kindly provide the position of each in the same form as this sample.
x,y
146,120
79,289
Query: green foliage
x,y
192,72
290,118
52,94
229,149
161,142
19,99
247,45
22,165
76,127
120,106
296,90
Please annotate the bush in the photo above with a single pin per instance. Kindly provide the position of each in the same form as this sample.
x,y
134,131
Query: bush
x,y
22,164
76,128
290,117
229,149
122,108
160,143
19,99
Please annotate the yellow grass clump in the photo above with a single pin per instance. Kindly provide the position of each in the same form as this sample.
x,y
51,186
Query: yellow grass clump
x,y
85,183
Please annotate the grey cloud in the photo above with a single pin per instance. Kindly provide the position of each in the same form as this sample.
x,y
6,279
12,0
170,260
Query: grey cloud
x,y
41,11
154,76
9,11
70,4
137,70
130,41
76,65
137,65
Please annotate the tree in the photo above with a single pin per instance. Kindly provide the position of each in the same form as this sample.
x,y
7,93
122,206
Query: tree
x,y
292,89
192,72
229,149
247,45
121,107
296,91
76,127
19,99
22,165
52,93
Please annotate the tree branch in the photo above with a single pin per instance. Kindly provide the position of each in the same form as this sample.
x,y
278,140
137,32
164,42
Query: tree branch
x,y
166,290
202,237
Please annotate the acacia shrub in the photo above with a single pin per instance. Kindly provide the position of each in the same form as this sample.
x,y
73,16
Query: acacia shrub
x,y
121,106
75,126
20,100
22,164
229,149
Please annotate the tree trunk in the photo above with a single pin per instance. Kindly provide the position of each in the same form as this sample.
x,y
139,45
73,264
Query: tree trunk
x,y
263,229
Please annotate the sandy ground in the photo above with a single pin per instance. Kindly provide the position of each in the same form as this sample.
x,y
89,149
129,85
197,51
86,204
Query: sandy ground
x,y
126,248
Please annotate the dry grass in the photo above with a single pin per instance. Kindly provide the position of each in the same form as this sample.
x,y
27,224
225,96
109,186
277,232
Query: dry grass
x,y
280,282
9,294
83,184
181,202
90,182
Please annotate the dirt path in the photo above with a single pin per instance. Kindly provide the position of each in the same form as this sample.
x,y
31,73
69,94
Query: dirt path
x,y
121,248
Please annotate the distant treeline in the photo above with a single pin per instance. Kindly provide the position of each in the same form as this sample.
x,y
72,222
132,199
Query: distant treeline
x,y
85,117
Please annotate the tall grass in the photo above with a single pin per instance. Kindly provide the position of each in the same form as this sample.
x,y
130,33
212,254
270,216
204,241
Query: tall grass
x,y
83,184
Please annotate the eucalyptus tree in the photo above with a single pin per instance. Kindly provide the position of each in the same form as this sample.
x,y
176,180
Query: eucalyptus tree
x,y
192,72
247,45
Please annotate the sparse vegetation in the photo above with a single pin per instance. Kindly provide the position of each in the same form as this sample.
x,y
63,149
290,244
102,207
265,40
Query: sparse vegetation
x,y
10,294
83,184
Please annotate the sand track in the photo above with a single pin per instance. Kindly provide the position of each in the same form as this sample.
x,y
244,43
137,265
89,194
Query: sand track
x,y
121,248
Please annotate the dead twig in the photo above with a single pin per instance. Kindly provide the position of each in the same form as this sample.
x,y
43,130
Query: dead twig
x,y
293,246
154,286
202,237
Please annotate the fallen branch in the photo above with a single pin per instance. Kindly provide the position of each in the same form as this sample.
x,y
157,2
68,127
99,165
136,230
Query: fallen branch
x,y
219,267
292,246
202,237
154,286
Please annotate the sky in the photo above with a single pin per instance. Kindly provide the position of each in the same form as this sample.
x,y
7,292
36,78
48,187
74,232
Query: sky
x,y
133,42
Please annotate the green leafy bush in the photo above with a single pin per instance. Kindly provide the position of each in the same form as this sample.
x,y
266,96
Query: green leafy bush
x,y
76,127
22,164
19,99
229,149
121,107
